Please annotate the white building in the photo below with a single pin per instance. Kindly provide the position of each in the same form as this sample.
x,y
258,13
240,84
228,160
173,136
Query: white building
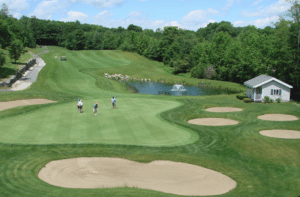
x,y
264,85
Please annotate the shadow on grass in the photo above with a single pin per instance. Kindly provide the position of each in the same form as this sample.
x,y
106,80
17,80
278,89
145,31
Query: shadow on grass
x,y
19,63
6,72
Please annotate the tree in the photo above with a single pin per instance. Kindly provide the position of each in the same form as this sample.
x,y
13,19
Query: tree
x,y
6,35
15,50
4,11
294,13
2,58
134,28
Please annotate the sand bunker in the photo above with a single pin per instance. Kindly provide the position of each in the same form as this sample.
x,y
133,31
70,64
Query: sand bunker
x,y
213,121
165,176
278,117
18,103
223,109
286,134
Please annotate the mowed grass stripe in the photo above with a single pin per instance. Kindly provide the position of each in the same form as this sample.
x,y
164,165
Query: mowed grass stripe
x,y
47,126
64,124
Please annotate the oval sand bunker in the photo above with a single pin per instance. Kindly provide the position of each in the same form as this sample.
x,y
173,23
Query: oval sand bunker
x,y
286,134
223,109
165,176
277,117
213,121
18,103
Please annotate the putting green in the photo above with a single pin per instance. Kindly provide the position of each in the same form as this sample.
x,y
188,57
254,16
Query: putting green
x,y
134,122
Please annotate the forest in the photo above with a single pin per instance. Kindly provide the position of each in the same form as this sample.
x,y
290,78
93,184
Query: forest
x,y
219,51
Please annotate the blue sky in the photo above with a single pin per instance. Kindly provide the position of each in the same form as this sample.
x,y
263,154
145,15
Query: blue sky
x,y
153,14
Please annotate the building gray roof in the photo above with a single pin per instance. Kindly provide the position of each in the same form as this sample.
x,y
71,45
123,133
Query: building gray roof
x,y
262,79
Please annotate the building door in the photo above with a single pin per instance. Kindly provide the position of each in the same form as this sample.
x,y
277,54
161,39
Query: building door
x,y
258,93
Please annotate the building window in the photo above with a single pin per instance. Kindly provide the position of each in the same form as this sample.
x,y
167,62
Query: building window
x,y
275,92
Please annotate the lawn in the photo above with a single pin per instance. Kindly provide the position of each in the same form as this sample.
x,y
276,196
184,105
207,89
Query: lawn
x,y
143,128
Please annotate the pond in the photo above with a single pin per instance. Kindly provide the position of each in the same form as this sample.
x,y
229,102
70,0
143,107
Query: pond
x,y
156,88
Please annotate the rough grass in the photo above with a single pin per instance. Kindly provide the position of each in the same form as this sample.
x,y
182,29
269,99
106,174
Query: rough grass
x,y
261,166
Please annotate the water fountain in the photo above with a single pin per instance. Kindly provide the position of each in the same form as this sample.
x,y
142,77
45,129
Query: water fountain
x,y
178,87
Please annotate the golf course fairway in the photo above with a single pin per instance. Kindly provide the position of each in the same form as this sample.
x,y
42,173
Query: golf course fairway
x,y
135,122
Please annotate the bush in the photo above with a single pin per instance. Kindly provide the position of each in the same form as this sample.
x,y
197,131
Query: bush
x,y
203,71
241,96
266,99
197,72
247,100
278,100
210,72
271,101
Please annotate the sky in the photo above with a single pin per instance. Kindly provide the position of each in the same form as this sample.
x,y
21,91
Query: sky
x,y
153,14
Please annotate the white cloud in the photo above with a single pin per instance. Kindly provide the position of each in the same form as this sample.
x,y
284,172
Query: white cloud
x,y
198,15
257,2
103,16
197,18
229,4
259,23
138,18
103,4
275,9
74,15
45,9
247,13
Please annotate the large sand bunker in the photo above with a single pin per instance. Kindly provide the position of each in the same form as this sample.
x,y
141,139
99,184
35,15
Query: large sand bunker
x,y
18,103
223,109
213,121
286,134
165,176
277,117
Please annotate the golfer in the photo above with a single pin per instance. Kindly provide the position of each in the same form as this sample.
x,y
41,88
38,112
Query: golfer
x,y
95,108
113,102
80,106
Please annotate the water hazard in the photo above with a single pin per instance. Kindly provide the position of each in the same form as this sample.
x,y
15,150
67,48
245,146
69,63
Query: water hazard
x,y
156,88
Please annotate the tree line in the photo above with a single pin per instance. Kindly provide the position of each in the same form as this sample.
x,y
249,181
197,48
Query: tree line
x,y
219,51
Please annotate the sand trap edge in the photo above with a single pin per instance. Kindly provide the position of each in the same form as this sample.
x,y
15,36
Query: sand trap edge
x,y
213,121
278,117
223,109
18,103
157,175
281,133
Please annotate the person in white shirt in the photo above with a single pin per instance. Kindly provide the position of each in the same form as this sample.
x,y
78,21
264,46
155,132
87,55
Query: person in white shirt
x,y
113,102
80,106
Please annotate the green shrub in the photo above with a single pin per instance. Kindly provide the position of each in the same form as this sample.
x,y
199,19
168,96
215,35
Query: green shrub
x,y
278,100
241,96
247,100
271,101
266,99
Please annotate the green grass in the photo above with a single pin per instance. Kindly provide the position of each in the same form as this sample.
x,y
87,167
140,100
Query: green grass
x,y
32,136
